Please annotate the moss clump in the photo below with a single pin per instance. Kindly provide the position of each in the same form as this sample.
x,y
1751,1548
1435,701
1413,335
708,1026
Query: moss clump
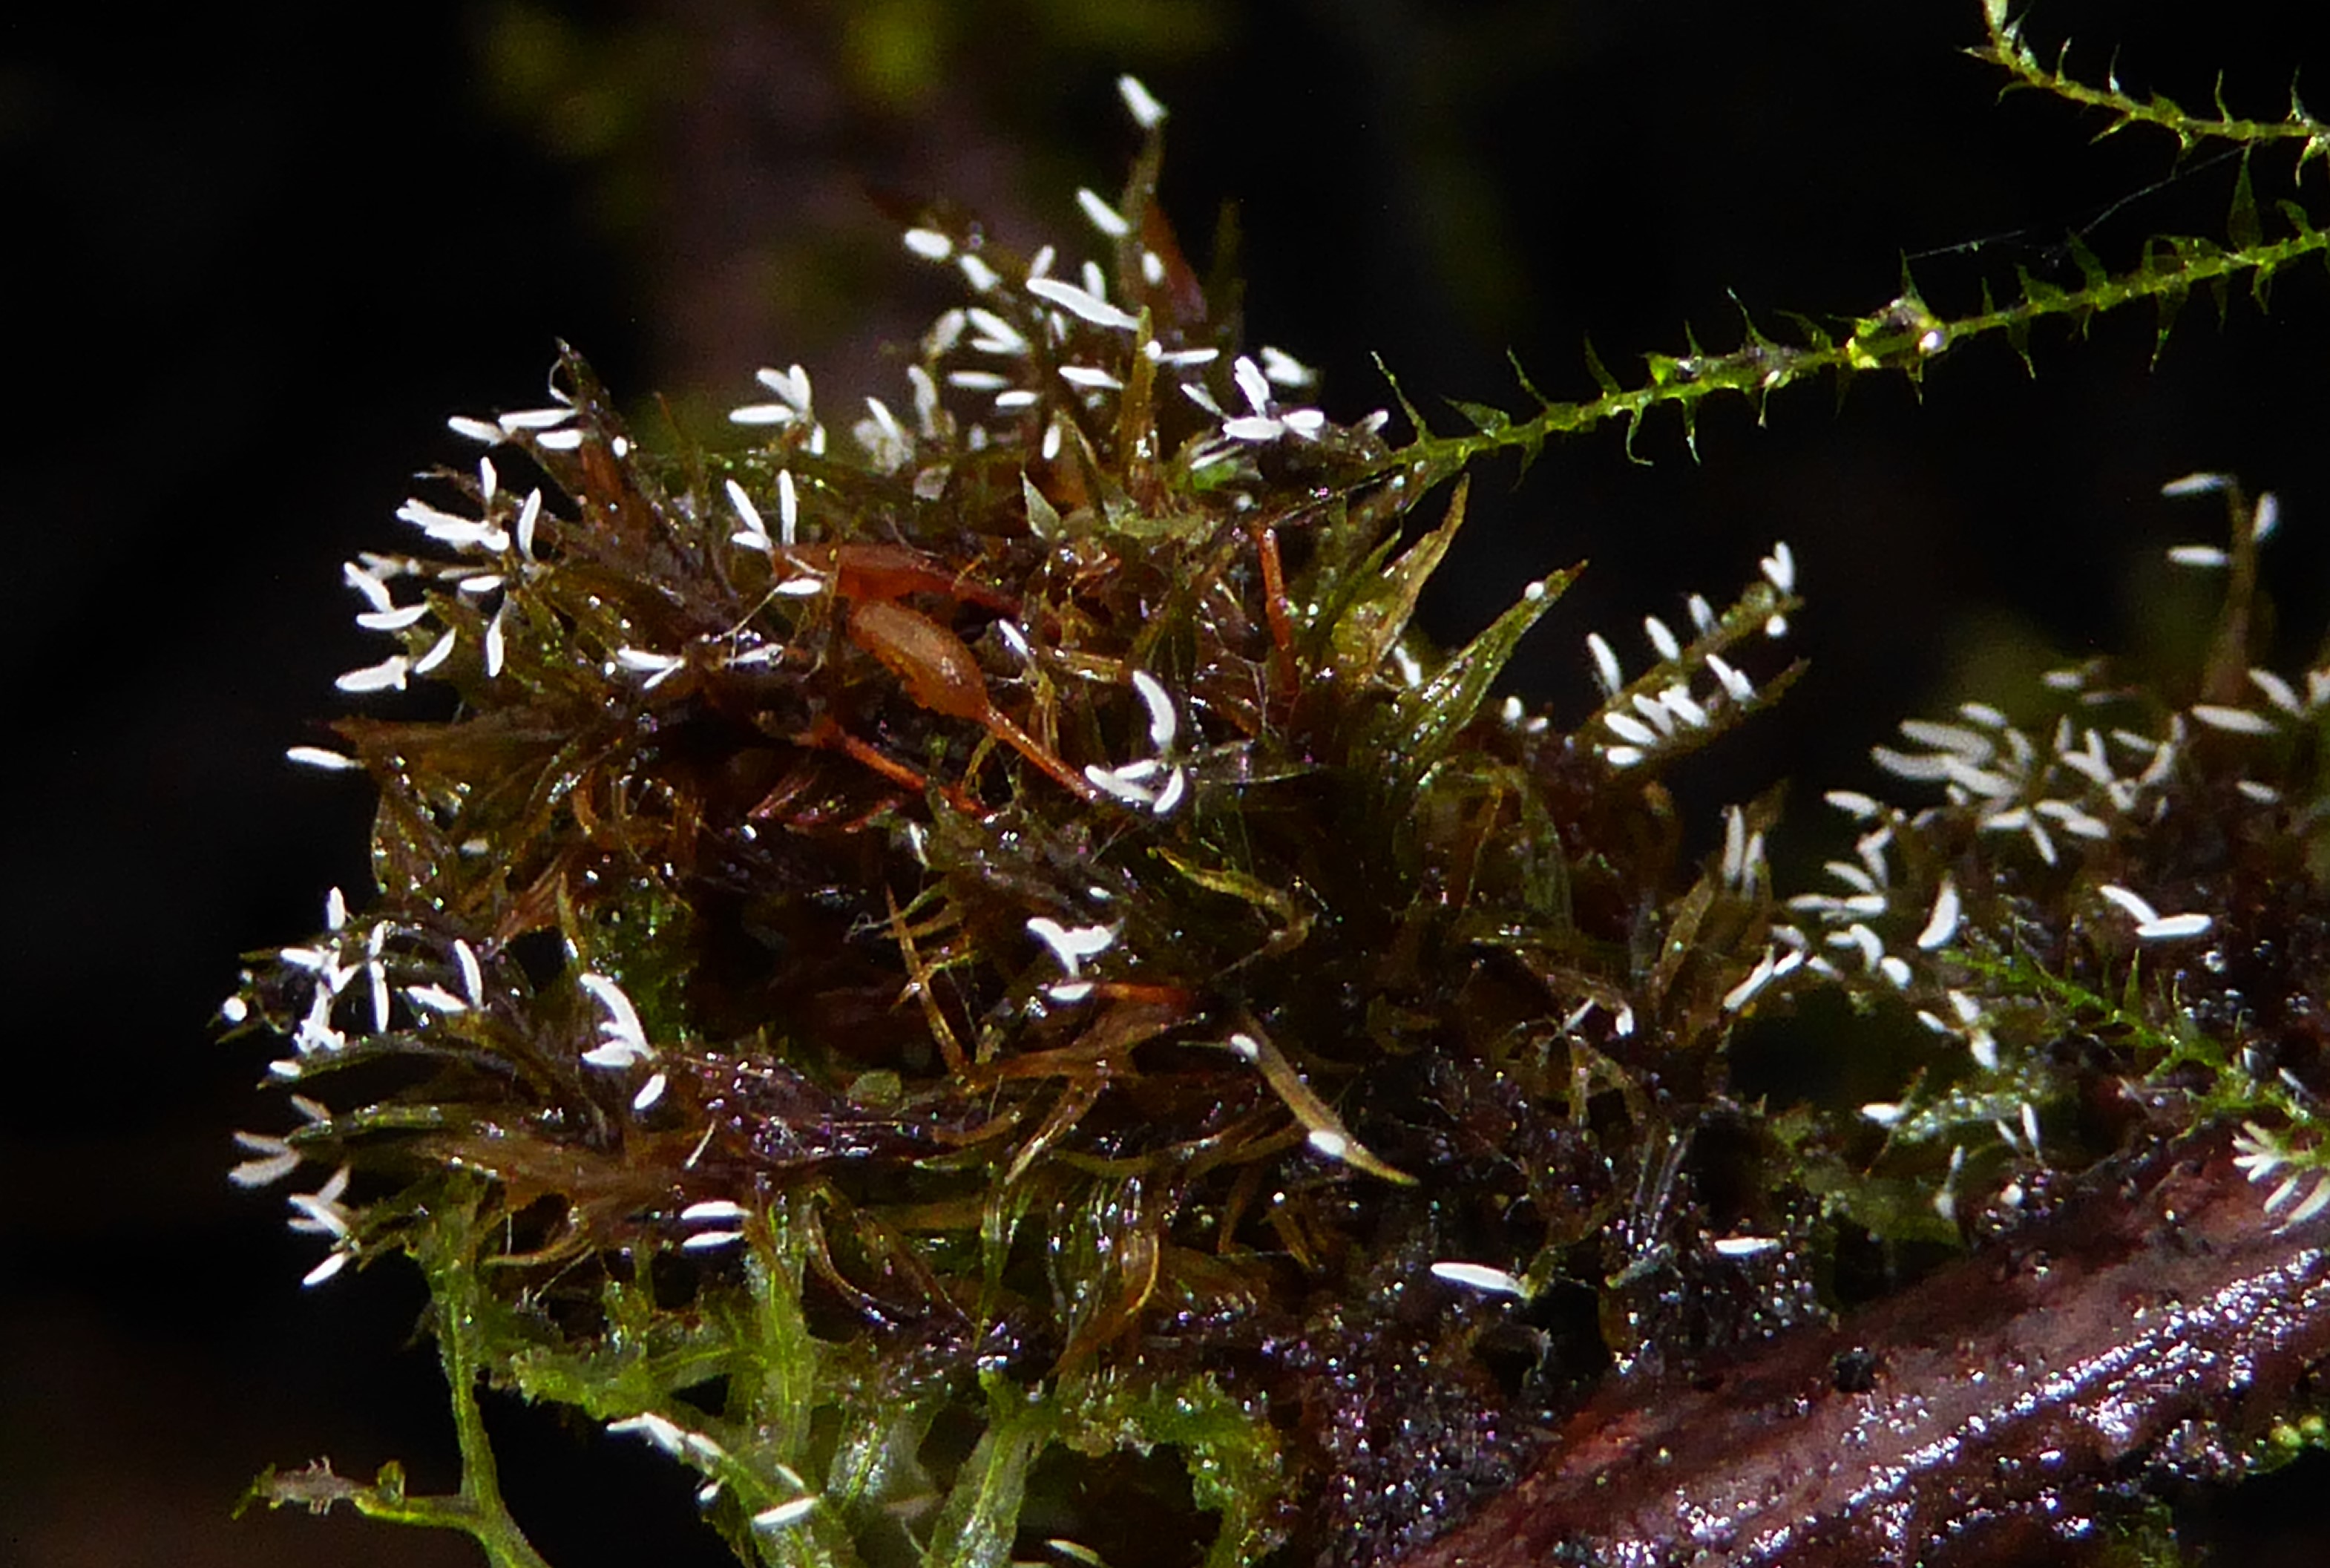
x,y
1010,919
975,984
2112,919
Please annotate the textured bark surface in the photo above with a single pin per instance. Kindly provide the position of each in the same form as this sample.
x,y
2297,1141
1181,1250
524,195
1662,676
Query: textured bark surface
x,y
2149,1326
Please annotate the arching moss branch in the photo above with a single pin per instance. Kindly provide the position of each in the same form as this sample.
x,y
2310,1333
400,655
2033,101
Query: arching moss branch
x,y
1904,336
1906,333
2007,50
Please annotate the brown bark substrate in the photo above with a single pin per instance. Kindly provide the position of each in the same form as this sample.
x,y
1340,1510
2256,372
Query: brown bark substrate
x,y
1982,1416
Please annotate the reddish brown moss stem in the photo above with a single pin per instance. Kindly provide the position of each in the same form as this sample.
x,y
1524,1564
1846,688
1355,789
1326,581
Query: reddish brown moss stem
x,y
1992,1413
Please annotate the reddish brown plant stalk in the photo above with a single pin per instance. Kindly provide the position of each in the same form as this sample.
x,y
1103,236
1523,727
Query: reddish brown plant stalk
x,y
2151,1328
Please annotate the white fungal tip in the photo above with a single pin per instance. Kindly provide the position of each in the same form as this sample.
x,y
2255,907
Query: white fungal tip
x,y
2231,720
1164,722
2129,902
1780,569
1083,304
928,244
1663,639
1735,684
388,675
785,1516
1481,1277
1139,103
1854,803
2315,1202
747,512
1101,215
2194,484
1177,784
1942,925
2176,927
472,978
1607,672
1280,368
1071,945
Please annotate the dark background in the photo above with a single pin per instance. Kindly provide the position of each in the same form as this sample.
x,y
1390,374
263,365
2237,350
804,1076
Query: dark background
x,y
249,261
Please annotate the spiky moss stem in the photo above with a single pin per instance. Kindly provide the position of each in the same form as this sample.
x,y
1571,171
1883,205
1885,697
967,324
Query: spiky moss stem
x,y
459,1309
1904,336
1906,333
459,1302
